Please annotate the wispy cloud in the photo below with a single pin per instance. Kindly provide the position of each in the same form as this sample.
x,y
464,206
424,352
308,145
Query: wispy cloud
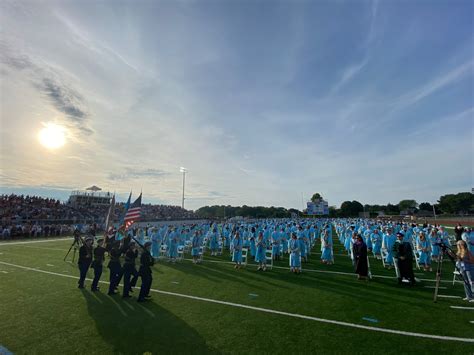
x,y
64,98
129,173
373,18
441,81
349,73
81,37
257,108
354,69
53,85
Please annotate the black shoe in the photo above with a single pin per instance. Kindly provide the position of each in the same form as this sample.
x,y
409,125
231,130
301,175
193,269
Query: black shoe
x,y
142,300
80,286
131,290
147,296
126,296
94,289
112,293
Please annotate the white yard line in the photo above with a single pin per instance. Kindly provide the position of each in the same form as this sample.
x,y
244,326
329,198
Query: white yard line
x,y
35,241
97,298
440,287
459,307
43,248
150,313
448,296
129,306
111,298
272,311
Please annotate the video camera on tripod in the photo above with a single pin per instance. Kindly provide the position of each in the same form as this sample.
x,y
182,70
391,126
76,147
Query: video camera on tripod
x,y
447,251
76,244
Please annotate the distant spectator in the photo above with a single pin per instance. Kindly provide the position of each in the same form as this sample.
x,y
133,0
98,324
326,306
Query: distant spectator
x,y
458,231
33,216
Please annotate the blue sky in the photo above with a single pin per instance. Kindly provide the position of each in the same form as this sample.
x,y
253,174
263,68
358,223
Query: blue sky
x,y
262,101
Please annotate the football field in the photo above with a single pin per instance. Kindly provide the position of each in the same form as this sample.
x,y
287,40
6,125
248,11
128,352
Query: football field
x,y
213,308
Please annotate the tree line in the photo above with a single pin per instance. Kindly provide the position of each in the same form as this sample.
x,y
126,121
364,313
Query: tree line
x,y
460,203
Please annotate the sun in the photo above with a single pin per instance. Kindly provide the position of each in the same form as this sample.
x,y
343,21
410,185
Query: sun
x,y
52,136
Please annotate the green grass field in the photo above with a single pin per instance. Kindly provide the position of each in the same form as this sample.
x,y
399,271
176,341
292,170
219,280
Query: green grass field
x,y
43,312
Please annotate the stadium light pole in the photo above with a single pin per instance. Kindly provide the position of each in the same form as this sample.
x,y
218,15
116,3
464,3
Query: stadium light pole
x,y
183,170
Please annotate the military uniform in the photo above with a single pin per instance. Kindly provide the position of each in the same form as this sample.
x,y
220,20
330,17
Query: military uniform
x,y
146,261
115,268
97,265
129,270
85,259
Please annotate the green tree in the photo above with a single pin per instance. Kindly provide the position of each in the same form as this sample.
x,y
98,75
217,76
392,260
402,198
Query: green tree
x,y
351,208
333,211
406,204
316,196
462,202
425,206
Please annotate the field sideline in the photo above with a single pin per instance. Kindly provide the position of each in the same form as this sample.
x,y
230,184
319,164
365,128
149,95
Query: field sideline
x,y
214,308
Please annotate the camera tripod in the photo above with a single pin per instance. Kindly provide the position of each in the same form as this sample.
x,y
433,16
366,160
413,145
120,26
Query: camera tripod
x,y
75,244
446,251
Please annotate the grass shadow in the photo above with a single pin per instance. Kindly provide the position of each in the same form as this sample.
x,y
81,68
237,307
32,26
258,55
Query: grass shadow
x,y
134,328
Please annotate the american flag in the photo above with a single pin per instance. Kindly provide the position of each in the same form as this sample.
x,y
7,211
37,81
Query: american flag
x,y
133,213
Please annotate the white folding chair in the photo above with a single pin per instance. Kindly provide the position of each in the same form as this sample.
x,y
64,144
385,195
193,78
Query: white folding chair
x,y
383,254
395,264
417,259
201,253
180,252
369,272
244,255
455,273
163,250
220,248
269,258
187,246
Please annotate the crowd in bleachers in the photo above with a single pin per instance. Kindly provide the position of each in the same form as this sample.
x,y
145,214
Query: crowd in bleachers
x,y
32,216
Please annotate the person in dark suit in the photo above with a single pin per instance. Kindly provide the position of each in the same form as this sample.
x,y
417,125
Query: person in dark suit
x,y
97,264
359,250
403,252
85,259
146,261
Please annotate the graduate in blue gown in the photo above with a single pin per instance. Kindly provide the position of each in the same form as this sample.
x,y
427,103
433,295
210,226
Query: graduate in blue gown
x,y
260,255
251,237
348,239
276,245
388,242
213,242
302,249
173,246
376,239
284,240
237,250
295,255
141,236
434,239
468,237
155,243
368,241
326,245
195,247
424,250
